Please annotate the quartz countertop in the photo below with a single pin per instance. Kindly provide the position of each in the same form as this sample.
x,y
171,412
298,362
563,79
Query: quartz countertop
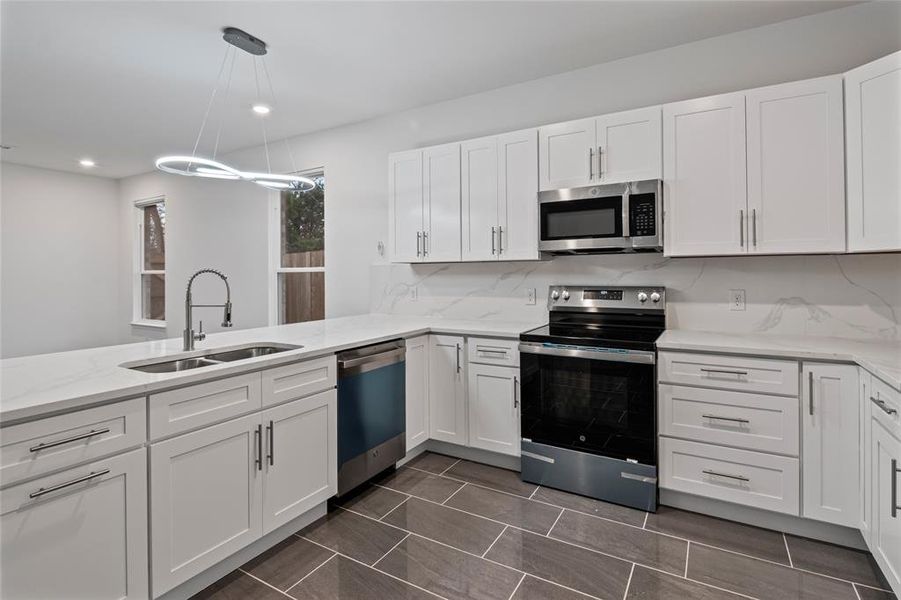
x,y
35,386
879,357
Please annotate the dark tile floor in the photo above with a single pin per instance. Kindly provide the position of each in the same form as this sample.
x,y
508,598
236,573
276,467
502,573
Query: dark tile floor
x,y
443,528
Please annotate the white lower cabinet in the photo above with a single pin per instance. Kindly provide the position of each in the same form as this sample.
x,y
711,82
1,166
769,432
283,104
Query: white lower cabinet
x,y
494,408
417,391
447,389
885,481
81,533
830,431
293,481
865,385
205,499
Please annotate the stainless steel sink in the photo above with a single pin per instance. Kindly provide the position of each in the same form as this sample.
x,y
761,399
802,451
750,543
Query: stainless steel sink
x,y
207,358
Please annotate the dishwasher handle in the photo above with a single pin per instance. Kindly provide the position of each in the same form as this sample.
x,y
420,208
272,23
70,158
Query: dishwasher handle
x,y
355,361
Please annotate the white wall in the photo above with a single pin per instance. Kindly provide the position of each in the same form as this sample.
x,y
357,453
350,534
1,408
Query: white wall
x,y
355,156
59,240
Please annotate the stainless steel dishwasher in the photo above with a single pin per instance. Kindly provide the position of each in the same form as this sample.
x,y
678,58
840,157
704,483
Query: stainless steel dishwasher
x,y
371,412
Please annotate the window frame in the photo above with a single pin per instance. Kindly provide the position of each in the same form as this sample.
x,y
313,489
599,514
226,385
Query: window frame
x,y
275,248
138,270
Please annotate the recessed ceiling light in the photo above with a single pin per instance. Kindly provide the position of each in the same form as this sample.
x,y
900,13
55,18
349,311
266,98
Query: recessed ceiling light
x,y
261,109
87,162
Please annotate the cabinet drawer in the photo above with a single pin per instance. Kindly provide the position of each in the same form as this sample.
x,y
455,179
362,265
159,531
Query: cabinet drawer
x,y
886,406
300,379
203,404
45,445
493,351
739,419
730,372
760,480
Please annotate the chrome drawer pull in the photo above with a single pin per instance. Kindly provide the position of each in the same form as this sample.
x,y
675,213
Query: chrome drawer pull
x,y
884,406
59,486
736,477
487,351
810,392
735,419
727,371
894,484
74,438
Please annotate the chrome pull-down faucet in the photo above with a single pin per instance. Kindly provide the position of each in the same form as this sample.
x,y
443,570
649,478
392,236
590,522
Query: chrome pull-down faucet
x,y
189,336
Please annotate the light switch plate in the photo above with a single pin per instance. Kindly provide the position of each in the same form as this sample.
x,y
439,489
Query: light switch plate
x,y
530,296
736,299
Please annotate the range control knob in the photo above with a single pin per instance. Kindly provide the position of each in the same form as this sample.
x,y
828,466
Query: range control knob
x,y
642,297
655,297
555,293
566,294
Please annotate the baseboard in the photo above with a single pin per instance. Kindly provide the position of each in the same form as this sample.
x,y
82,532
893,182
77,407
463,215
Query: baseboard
x,y
220,570
817,530
487,457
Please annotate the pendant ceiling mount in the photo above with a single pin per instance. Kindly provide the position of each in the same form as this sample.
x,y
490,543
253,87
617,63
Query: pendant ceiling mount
x,y
198,166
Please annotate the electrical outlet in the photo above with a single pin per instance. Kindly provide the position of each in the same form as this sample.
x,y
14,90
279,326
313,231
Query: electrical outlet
x,y
736,299
414,293
530,296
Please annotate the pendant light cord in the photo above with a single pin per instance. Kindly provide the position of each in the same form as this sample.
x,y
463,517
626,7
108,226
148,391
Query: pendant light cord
x,y
228,86
274,107
256,78
210,104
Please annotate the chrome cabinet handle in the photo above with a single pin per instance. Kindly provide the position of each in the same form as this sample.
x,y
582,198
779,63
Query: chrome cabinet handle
x,y
727,371
590,164
600,170
894,484
425,243
727,475
59,486
418,243
734,419
500,240
74,438
741,227
515,395
810,392
493,233
270,429
258,438
754,225
458,358
883,405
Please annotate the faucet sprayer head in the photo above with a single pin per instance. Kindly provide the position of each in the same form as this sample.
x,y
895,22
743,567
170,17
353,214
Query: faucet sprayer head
x,y
227,315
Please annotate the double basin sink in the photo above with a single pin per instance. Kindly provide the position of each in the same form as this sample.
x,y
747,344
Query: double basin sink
x,y
207,358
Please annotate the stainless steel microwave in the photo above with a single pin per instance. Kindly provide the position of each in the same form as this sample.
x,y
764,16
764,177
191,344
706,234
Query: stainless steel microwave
x,y
617,217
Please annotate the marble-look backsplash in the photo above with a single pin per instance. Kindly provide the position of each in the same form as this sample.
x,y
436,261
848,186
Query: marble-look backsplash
x,y
855,296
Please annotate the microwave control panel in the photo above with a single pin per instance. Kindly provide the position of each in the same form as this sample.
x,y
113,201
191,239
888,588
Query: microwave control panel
x,y
642,215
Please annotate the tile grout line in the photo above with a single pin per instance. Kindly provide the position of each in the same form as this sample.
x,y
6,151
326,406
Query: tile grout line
x,y
629,582
856,593
521,579
450,467
535,491
334,554
687,553
554,524
488,549
390,550
446,500
269,585
360,562
787,551
645,524
381,519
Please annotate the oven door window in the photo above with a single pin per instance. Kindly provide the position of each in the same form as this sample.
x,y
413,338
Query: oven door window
x,y
601,407
582,219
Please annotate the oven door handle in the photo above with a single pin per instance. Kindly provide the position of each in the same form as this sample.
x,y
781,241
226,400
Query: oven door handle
x,y
627,356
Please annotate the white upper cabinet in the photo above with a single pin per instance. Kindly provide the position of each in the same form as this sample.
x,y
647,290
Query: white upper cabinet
x,y
873,122
566,153
830,433
705,191
629,146
796,183
479,175
441,202
405,206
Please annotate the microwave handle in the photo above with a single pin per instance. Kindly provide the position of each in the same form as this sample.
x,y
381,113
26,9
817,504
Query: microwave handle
x,y
626,211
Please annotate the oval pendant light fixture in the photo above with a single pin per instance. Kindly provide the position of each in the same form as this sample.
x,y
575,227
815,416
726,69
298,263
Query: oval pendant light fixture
x,y
198,166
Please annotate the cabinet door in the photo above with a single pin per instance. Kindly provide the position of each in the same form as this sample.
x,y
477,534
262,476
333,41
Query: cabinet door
x,y
796,176
566,155
630,145
301,457
417,390
873,134
885,537
704,176
405,206
447,389
205,498
864,459
479,199
518,195
441,189
830,430
494,408
86,539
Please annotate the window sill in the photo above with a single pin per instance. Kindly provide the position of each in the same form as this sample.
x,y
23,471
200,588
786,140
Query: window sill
x,y
148,323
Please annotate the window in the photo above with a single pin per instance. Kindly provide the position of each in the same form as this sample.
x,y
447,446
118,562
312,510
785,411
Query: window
x,y
150,263
300,266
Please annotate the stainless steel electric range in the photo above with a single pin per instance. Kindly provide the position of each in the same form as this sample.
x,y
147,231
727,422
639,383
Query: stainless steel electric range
x,y
589,393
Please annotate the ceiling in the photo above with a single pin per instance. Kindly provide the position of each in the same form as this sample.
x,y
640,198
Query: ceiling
x,y
125,82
